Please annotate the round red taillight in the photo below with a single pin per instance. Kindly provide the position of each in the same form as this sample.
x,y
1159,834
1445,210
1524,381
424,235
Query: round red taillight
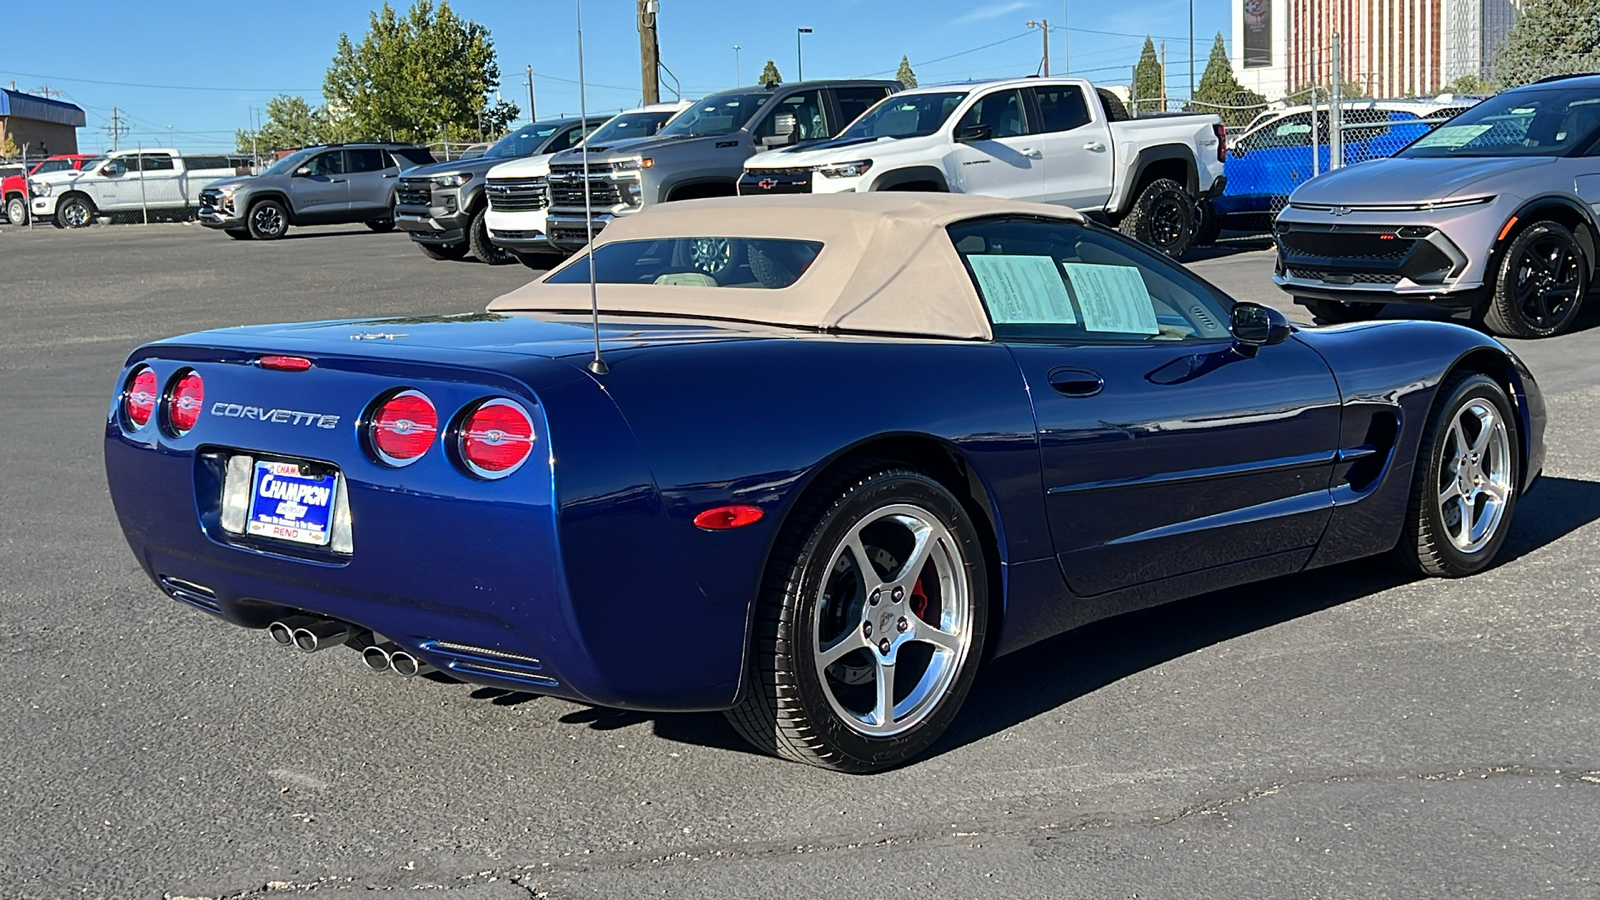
x,y
403,427
184,401
140,396
495,438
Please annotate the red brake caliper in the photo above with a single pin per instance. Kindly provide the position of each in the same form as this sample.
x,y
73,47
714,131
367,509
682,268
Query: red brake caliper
x,y
919,599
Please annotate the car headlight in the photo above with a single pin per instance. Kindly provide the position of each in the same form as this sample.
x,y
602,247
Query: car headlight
x,y
454,179
227,191
846,170
40,188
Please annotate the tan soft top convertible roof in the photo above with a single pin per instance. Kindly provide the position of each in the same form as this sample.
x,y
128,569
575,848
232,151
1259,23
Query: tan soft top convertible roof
x,y
887,265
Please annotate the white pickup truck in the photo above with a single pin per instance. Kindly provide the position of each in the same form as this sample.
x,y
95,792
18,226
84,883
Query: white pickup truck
x,y
127,181
1055,140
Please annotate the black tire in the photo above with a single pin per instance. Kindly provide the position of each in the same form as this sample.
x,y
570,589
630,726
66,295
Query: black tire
x,y
1162,216
443,251
1430,543
483,248
770,269
17,211
238,234
381,226
1540,284
75,211
811,591
268,220
1333,312
541,261
1208,225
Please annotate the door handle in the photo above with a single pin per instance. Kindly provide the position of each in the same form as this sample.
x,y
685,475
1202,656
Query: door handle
x,y
1077,382
1096,146
392,175
336,181
1031,153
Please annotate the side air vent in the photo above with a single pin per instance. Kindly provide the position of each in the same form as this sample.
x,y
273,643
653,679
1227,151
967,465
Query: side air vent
x,y
191,593
486,662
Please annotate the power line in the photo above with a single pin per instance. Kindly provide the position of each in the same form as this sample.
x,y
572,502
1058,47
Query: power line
x,y
929,62
165,87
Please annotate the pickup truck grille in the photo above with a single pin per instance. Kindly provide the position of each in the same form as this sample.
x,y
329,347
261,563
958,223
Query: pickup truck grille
x,y
515,194
414,192
566,188
776,181
571,235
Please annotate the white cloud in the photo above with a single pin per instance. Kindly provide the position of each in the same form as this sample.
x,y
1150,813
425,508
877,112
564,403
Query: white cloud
x,y
992,11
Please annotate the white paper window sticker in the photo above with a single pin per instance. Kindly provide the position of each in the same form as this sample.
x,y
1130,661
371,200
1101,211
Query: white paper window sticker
x,y
1023,290
1113,298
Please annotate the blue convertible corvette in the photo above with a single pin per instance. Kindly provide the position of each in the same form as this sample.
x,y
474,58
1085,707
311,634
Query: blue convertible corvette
x,y
837,452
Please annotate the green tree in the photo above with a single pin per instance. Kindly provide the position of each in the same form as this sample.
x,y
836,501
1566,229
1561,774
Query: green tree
x,y
906,77
1470,84
1551,37
9,148
769,75
1220,92
415,77
290,122
1147,85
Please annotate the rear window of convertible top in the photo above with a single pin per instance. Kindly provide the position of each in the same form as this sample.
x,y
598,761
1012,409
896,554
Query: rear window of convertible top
x,y
695,261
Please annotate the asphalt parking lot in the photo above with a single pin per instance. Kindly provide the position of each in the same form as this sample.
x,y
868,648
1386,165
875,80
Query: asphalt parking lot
x,y
1346,733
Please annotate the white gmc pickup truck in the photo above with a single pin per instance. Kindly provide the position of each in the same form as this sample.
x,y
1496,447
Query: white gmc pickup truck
x,y
126,181
1054,140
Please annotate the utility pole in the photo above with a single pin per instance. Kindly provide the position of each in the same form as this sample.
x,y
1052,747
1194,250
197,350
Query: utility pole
x,y
43,90
1044,28
799,60
649,51
1066,7
1191,54
1336,110
1163,76
116,129
531,115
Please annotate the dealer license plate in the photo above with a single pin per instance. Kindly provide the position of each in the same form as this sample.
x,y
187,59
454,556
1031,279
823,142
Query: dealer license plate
x,y
292,502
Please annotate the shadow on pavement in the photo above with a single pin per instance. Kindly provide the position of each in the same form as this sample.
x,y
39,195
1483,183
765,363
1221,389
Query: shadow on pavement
x,y
1064,668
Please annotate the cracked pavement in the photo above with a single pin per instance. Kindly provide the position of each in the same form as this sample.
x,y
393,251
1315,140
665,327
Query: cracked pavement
x,y
1344,733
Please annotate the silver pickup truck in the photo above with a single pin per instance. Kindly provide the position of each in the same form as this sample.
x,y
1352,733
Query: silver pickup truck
x,y
701,153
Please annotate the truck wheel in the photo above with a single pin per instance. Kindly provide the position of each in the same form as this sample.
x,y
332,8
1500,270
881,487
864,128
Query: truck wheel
x,y
443,251
482,247
238,234
1333,312
1208,225
17,211
869,626
382,225
1162,216
268,220
1542,280
75,211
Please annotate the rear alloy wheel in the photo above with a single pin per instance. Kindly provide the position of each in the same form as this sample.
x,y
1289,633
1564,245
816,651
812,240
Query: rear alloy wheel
x,y
483,248
268,220
1164,217
443,251
871,625
75,212
1333,312
17,211
1466,481
1541,284
714,256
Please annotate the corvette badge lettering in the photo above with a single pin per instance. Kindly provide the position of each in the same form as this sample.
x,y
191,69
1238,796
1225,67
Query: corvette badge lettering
x,y
276,416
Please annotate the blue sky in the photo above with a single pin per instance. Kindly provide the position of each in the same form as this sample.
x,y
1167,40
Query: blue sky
x,y
133,60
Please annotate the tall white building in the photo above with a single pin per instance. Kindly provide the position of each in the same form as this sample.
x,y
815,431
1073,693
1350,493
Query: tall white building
x,y
1474,31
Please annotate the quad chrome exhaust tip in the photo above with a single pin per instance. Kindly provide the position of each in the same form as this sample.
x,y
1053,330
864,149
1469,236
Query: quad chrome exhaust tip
x,y
282,631
405,665
321,634
376,657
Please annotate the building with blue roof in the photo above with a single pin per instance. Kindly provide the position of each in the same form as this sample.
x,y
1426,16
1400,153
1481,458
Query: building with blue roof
x,y
39,126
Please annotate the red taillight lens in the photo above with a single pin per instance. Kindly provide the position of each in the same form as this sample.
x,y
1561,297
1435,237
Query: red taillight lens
x,y
140,396
495,438
403,427
184,403
1222,142
284,363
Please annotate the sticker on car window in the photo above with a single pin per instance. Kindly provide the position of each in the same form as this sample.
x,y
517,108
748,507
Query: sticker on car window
x,y
1023,289
1452,137
1113,298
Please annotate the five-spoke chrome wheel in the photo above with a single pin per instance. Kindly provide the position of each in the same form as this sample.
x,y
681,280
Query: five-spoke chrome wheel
x,y
1476,478
907,623
712,256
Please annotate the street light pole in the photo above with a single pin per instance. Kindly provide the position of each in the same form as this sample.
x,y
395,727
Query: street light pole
x,y
1191,52
799,61
737,78
1044,28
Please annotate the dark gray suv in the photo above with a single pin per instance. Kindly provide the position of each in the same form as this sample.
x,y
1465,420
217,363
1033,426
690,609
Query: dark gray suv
x,y
329,185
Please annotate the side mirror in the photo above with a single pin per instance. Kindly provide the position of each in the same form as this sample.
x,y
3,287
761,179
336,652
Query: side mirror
x,y
1255,326
112,170
303,172
970,133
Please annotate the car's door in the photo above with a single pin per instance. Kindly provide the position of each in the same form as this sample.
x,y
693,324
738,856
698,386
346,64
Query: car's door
x,y
994,153
1268,163
113,182
319,188
1076,147
161,182
371,177
850,102
1164,450
795,118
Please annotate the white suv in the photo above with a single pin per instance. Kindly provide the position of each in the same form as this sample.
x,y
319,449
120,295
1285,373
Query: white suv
x,y
518,198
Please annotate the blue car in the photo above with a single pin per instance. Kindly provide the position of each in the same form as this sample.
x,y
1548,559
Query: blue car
x,y
1272,159
814,460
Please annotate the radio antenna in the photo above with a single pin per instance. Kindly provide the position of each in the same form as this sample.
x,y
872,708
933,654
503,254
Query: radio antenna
x,y
598,364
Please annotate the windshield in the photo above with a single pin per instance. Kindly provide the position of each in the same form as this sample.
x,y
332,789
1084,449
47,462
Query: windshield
x,y
1517,123
630,126
287,164
525,141
769,263
913,115
717,114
